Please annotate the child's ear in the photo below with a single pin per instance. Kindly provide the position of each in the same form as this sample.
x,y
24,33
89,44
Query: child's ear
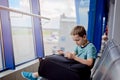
x,y
84,36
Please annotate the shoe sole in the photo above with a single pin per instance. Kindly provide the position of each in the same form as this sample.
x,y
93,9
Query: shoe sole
x,y
22,75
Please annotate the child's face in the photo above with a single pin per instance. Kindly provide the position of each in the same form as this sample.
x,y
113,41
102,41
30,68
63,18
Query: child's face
x,y
79,40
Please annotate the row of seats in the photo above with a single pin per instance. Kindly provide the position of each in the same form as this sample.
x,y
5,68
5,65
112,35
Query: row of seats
x,y
107,66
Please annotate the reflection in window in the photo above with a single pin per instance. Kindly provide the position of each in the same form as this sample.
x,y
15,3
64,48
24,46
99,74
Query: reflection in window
x,y
22,5
22,36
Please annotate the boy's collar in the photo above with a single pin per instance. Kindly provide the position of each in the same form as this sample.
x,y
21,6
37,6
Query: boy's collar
x,y
85,44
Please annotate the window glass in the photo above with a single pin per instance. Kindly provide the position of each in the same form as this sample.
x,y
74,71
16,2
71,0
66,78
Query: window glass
x,y
22,5
22,32
56,31
23,44
83,10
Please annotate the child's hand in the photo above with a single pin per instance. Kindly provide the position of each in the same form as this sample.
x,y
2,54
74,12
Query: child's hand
x,y
70,55
60,52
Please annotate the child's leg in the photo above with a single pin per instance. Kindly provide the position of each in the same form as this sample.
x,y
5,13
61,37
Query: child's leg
x,y
35,74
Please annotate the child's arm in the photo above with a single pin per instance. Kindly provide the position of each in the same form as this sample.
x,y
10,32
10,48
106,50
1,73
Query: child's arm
x,y
69,55
88,62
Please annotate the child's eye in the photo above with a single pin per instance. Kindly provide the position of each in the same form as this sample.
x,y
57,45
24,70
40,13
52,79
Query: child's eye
x,y
77,40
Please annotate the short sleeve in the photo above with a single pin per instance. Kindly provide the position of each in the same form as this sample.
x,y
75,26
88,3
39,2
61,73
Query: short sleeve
x,y
76,50
91,53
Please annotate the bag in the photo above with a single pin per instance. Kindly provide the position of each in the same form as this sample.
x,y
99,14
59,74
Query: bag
x,y
57,67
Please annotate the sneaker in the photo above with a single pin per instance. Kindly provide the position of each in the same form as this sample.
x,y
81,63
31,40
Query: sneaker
x,y
28,75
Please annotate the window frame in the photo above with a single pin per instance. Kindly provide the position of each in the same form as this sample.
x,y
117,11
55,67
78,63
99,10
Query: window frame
x,y
7,35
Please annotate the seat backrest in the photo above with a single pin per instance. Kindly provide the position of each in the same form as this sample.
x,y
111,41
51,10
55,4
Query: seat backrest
x,y
113,72
111,54
99,59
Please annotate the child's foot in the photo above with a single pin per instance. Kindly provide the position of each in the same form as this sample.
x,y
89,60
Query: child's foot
x,y
28,75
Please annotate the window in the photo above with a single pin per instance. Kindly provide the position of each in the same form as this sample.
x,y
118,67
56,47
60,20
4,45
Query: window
x,y
83,10
21,39
22,32
56,32
22,36
22,5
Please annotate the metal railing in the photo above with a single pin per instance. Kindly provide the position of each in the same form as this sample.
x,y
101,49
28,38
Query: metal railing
x,y
25,13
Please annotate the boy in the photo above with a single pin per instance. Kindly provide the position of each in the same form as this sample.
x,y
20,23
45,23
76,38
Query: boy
x,y
84,52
